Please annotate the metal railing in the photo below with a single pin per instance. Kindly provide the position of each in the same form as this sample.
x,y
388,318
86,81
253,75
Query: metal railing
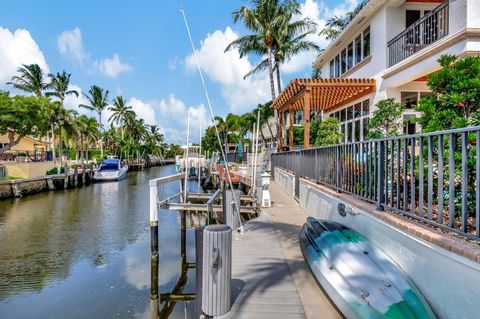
x,y
433,177
430,28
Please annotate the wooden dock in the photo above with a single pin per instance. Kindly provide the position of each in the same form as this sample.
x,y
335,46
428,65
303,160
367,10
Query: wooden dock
x,y
270,278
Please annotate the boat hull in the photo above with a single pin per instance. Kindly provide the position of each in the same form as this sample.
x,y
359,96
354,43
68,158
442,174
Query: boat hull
x,y
110,176
358,277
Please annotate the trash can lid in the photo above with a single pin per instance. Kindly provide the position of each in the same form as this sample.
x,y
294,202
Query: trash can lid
x,y
217,228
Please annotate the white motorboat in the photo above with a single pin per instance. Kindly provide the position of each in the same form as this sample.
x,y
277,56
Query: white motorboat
x,y
110,170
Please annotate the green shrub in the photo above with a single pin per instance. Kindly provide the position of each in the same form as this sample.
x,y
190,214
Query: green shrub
x,y
53,171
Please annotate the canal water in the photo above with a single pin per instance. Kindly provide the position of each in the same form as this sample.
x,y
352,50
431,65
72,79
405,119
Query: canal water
x,y
85,253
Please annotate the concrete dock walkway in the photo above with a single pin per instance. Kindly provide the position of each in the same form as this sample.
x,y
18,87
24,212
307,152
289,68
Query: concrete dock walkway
x,y
270,278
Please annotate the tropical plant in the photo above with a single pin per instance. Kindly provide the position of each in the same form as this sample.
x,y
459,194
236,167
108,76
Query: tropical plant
x,y
327,132
21,116
335,25
266,19
59,84
120,110
454,102
386,119
30,79
97,98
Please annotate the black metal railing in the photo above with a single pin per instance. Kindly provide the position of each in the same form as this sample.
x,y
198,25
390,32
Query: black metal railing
x,y
430,28
433,177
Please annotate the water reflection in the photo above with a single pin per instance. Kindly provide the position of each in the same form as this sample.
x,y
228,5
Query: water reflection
x,y
86,252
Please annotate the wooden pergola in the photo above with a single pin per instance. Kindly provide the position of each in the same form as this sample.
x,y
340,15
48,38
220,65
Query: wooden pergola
x,y
316,95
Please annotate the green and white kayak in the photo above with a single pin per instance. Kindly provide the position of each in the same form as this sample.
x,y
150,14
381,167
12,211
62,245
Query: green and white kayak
x,y
359,278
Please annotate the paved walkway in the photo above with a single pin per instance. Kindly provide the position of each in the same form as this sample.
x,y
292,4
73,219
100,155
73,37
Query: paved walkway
x,y
270,278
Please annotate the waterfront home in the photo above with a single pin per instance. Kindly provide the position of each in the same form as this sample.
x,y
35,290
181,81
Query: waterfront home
x,y
28,146
386,51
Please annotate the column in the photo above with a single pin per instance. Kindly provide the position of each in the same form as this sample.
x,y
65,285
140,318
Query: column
x,y
280,131
306,118
290,130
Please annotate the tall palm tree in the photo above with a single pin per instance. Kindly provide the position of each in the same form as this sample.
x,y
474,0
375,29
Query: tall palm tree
x,y
288,45
30,79
97,98
336,24
120,109
88,132
266,19
59,84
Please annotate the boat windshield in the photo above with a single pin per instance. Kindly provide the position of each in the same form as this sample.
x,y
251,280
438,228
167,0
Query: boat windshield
x,y
109,166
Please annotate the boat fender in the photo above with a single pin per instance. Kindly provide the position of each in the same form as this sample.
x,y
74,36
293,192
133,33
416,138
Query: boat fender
x,y
341,209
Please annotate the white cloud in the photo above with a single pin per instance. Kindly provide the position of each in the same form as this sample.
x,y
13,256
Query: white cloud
x,y
70,43
173,118
318,12
228,70
143,110
15,49
112,67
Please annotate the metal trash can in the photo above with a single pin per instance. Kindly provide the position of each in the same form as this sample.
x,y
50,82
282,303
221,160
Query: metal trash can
x,y
217,270
231,215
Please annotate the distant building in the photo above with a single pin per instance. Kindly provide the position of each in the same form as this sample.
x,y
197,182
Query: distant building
x,y
27,145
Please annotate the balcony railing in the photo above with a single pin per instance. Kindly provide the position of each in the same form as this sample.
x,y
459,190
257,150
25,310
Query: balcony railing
x,y
427,30
433,177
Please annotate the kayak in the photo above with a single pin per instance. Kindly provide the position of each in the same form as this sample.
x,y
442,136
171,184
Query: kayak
x,y
360,279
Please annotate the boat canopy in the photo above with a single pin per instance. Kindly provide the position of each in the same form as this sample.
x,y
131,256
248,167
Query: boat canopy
x,y
110,164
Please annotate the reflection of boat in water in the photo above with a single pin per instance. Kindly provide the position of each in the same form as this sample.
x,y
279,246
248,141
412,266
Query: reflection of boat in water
x,y
110,170
359,278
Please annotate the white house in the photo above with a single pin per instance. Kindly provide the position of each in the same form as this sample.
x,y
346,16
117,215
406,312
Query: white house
x,y
395,44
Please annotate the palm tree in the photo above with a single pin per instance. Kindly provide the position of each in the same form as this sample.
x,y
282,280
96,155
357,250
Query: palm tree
x,y
288,45
336,24
60,83
88,132
97,98
30,79
267,19
120,111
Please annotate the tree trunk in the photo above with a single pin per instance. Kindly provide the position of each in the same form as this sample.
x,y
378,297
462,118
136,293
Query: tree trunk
x,y
270,72
81,149
53,144
101,135
11,141
279,84
60,146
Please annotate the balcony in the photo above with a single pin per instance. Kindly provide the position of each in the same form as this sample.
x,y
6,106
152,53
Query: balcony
x,y
427,30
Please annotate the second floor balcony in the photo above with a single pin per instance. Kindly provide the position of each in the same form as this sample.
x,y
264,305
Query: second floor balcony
x,y
427,30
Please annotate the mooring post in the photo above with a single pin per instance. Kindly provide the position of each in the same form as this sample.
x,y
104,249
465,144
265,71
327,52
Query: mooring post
x,y
217,270
231,200
198,271
75,176
154,246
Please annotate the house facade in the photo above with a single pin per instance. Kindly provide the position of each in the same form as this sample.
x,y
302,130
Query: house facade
x,y
397,43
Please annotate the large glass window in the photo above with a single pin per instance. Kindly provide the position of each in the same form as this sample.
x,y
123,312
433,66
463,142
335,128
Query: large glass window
x,y
350,56
349,132
357,131
357,110
342,129
343,116
366,42
350,113
358,49
409,126
343,61
332,69
365,107
337,66
365,127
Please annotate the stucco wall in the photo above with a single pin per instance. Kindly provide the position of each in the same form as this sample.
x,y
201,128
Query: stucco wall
x,y
450,282
25,144
27,170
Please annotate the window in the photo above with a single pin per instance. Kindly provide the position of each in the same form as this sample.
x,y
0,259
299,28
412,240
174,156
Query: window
x,y
357,136
365,127
365,107
349,113
366,42
358,49
349,132
411,16
410,99
343,115
337,66
350,56
357,112
425,94
342,129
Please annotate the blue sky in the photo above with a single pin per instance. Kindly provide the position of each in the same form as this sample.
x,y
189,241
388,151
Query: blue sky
x,y
140,49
